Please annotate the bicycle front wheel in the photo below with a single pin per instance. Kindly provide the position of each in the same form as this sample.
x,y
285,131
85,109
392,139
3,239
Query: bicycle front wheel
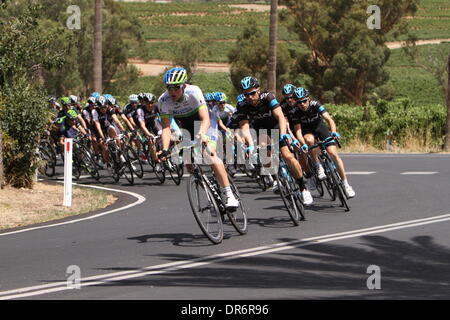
x,y
238,218
205,209
288,197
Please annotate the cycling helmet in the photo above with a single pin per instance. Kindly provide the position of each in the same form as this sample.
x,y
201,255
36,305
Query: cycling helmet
x,y
175,76
301,93
208,96
101,101
249,82
96,95
111,100
221,97
71,114
240,98
288,89
149,97
107,96
73,99
91,100
65,101
140,96
51,99
133,98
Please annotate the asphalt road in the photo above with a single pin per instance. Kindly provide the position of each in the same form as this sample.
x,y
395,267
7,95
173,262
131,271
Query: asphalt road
x,y
393,244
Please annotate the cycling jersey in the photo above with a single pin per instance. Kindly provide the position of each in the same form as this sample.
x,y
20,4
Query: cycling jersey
x,y
186,110
309,118
150,118
226,113
261,114
105,119
129,110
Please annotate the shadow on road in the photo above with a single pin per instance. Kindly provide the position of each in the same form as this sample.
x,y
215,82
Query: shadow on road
x,y
415,269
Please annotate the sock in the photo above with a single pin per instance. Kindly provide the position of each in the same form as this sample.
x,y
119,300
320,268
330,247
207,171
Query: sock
x,y
345,182
301,184
227,191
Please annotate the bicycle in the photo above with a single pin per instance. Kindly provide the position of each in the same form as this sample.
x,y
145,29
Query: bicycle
x,y
47,154
290,193
120,165
83,159
334,181
209,208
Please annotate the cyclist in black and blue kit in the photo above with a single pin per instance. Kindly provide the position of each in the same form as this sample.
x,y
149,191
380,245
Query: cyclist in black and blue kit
x,y
265,111
306,120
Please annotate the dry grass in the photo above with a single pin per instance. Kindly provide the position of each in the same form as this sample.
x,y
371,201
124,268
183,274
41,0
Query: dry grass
x,y
21,207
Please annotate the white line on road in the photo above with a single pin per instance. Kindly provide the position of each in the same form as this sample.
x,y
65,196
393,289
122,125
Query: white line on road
x,y
419,172
140,199
173,266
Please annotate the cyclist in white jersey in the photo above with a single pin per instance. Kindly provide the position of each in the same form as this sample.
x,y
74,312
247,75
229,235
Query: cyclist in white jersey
x,y
186,103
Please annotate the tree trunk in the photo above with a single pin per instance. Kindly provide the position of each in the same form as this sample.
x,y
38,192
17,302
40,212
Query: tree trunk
x,y
97,54
272,72
447,100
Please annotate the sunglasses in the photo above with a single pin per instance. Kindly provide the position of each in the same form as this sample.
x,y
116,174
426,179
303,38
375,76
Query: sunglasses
x,y
302,101
289,98
174,87
252,93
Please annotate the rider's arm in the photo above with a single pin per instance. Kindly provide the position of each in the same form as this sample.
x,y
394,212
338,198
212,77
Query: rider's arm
x,y
245,129
204,118
116,121
298,133
166,133
326,116
278,114
144,129
127,122
83,123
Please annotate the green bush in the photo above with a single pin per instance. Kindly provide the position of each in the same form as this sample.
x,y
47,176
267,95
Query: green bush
x,y
404,120
22,118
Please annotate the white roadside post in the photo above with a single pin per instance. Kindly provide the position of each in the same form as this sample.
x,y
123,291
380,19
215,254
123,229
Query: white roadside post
x,y
68,146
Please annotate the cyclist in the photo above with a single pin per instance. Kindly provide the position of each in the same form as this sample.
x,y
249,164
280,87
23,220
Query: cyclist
x,y
130,110
54,106
147,119
74,103
186,102
265,111
307,122
68,127
105,121
66,106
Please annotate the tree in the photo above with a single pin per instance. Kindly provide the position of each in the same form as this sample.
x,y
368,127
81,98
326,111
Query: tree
x,y
345,59
23,52
447,131
273,29
97,54
250,57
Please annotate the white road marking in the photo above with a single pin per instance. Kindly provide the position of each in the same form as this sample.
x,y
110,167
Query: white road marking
x,y
173,266
140,199
419,172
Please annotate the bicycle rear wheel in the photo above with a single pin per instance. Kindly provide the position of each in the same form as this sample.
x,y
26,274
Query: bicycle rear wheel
x,y
238,218
205,209
88,163
48,158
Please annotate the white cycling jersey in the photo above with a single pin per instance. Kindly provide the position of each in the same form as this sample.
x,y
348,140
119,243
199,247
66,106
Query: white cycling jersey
x,y
227,111
189,105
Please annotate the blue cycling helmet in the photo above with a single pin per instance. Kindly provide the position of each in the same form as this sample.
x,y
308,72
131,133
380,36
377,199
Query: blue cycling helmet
x,y
175,76
288,89
249,82
301,93
208,97
240,98
96,95
221,97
